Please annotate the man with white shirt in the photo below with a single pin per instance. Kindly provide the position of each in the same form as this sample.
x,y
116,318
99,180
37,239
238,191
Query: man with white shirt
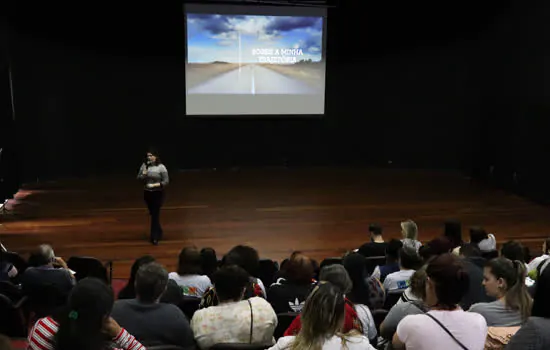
x,y
409,261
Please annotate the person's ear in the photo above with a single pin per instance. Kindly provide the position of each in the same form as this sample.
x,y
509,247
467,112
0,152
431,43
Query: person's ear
x,y
501,283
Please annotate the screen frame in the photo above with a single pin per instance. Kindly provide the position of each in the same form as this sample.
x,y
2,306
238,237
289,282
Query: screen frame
x,y
265,10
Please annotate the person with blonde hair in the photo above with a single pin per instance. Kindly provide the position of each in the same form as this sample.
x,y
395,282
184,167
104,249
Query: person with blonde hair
x,y
322,322
409,229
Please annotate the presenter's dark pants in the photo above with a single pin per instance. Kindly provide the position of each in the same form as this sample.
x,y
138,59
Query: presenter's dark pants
x,y
154,200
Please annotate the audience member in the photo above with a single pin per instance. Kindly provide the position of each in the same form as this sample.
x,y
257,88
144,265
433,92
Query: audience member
x,y
453,232
545,255
366,293
322,320
338,276
486,242
409,261
152,322
435,247
534,335
84,324
234,320
409,230
513,250
248,259
129,291
366,290
48,282
289,293
504,280
377,246
209,261
473,263
411,303
189,275
392,261
446,284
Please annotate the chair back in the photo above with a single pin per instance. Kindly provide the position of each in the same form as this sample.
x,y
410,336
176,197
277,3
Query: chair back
x,y
284,321
189,305
16,260
392,298
88,267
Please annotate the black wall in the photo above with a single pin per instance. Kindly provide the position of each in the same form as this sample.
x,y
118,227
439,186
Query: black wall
x,y
456,86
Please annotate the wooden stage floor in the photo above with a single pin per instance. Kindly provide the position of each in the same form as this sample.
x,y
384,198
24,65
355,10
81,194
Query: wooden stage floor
x,y
323,212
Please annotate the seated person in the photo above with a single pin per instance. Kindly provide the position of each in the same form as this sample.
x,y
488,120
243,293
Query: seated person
x,y
504,280
338,276
84,323
152,322
322,321
189,275
409,230
446,284
392,261
288,294
533,264
48,282
377,246
473,262
409,261
234,320
248,259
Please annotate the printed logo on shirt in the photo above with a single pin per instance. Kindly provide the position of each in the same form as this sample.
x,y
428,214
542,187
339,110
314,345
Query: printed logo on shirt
x,y
403,284
189,291
296,306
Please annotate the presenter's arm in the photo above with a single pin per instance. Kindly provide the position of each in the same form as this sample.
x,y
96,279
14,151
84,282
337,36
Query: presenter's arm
x,y
164,176
142,172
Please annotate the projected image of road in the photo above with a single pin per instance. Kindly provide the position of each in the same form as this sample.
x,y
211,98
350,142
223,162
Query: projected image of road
x,y
230,54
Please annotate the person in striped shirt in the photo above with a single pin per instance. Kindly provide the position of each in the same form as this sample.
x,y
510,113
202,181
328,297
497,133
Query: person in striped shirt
x,y
85,324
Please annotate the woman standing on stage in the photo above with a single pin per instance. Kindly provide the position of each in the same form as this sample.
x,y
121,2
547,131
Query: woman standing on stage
x,y
155,177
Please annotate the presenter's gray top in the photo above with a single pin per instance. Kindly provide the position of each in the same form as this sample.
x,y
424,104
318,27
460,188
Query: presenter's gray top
x,y
155,174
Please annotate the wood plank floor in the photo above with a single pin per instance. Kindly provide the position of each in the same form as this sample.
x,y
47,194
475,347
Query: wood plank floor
x,y
321,211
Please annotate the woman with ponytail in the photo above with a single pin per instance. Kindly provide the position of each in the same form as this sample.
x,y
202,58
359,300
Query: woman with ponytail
x,y
504,280
85,324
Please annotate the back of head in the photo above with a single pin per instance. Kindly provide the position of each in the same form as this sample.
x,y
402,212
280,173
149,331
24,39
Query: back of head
x,y
139,262
477,234
209,261
230,282
541,302
189,262
513,250
151,282
42,255
322,317
418,283
453,231
375,229
299,270
450,280
436,246
393,248
355,265
5,343
245,257
409,229
513,273
409,258
470,250
80,327
338,276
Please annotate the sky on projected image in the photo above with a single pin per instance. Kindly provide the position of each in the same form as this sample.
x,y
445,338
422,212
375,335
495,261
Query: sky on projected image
x,y
217,38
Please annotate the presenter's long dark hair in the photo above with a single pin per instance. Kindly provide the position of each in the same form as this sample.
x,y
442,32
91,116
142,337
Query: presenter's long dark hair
x,y
154,153
80,325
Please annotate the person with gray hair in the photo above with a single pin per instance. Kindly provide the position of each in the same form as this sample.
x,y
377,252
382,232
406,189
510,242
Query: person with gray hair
x,y
152,322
